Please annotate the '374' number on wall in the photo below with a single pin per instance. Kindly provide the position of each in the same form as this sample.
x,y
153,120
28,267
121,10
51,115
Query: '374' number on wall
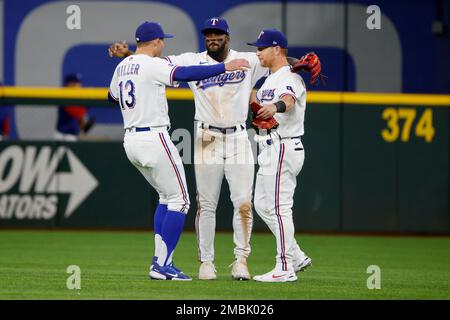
x,y
406,116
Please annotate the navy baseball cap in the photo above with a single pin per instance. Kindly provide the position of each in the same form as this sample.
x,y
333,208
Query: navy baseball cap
x,y
148,31
215,24
73,77
270,38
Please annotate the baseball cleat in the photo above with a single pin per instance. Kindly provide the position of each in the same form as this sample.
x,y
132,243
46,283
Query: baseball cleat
x,y
155,258
167,273
207,271
277,276
176,269
240,269
303,264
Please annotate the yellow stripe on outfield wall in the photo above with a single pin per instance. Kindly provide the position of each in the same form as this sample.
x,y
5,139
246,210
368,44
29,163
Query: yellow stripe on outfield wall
x,y
78,93
379,98
54,93
186,94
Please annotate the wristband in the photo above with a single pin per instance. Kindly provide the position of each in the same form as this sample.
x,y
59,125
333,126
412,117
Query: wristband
x,y
281,106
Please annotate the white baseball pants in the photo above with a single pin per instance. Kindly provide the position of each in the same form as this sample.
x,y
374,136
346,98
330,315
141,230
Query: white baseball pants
x,y
280,162
217,155
156,157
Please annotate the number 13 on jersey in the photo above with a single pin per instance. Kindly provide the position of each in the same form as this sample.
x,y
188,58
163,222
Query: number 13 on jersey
x,y
127,97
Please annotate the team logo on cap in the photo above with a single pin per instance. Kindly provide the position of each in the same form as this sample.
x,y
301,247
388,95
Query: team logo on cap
x,y
214,21
260,34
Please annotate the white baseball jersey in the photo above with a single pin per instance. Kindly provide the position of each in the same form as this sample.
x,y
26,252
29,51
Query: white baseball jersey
x,y
139,84
222,100
279,84
280,161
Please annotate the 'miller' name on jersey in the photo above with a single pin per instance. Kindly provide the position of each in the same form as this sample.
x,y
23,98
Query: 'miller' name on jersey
x,y
128,69
267,95
222,79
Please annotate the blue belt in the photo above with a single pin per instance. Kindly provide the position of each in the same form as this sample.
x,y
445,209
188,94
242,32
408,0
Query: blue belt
x,y
140,129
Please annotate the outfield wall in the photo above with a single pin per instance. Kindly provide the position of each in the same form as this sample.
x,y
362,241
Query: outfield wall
x,y
372,165
357,54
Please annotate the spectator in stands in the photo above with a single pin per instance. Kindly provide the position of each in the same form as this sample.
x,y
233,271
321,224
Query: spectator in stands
x,y
73,120
5,120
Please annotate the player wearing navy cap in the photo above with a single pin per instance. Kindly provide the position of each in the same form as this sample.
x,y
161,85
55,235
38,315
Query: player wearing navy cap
x,y
222,148
270,38
138,87
281,156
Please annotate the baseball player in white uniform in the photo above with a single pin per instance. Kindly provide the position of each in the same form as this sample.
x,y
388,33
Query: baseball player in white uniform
x,y
222,147
283,96
138,86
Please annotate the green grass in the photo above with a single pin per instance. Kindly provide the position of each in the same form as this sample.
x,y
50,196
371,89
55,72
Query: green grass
x,y
114,265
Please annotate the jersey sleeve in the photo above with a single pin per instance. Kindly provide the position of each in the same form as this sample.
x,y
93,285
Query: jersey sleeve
x,y
162,72
184,59
114,87
291,86
258,72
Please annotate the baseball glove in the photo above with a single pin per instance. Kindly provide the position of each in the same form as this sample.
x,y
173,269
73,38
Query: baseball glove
x,y
266,124
310,62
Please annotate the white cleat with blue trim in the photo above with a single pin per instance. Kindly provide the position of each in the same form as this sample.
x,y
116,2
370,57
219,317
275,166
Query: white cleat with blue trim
x,y
168,272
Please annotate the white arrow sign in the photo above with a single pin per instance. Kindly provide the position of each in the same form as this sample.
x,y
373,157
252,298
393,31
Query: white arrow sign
x,y
79,182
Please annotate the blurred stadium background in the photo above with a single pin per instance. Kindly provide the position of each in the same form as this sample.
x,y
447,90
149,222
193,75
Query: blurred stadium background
x,y
373,162
376,136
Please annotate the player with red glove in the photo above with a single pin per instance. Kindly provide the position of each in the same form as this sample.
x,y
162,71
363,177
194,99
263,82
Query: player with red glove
x,y
281,154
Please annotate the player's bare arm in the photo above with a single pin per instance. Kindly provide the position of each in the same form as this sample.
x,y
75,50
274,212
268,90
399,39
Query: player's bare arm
x,y
269,110
237,64
119,50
